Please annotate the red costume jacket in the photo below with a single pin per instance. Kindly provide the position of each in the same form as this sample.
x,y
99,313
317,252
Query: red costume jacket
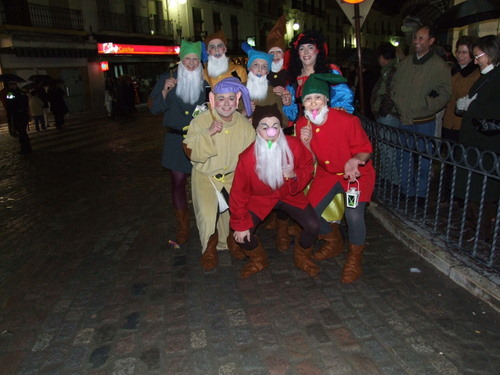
x,y
334,143
249,193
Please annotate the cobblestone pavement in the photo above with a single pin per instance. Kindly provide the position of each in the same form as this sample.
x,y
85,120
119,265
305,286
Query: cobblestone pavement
x,y
89,285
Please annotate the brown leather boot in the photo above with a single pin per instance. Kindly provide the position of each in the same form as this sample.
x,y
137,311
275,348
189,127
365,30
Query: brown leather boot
x,y
233,247
258,261
271,221
302,259
294,229
282,236
182,231
210,258
352,267
333,246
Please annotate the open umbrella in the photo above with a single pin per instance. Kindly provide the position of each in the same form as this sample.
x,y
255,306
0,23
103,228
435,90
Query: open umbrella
x,y
469,12
8,77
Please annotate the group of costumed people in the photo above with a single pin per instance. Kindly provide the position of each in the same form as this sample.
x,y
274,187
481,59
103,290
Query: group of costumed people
x,y
244,162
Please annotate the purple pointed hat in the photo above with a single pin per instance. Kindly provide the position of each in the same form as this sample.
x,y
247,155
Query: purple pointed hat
x,y
233,84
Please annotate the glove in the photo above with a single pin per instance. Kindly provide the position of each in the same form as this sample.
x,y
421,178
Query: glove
x,y
463,103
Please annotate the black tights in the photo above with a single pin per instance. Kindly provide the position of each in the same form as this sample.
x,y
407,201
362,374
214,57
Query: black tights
x,y
305,217
179,193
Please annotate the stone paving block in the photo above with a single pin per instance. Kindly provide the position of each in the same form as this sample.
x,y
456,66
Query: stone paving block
x,y
62,305
105,333
198,339
176,343
317,333
400,325
297,346
84,336
329,317
125,366
358,329
304,314
151,335
242,335
284,323
236,317
125,345
257,316
223,350
42,342
277,363
202,362
377,352
151,358
419,344
99,356
76,357
343,310
228,369
345,339
266,337
132,321
251,360
154,313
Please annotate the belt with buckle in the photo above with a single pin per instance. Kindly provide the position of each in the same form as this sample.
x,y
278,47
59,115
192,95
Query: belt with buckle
x,y
176,131
220,176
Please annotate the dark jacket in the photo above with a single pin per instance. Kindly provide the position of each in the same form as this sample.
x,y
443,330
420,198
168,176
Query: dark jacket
x,y
176,115
486,106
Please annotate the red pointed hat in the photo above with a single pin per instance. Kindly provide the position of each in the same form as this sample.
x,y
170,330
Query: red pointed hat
x,y
276,37
217,35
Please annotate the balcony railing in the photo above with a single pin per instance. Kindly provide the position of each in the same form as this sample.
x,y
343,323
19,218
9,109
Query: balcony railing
x,y
18,13
455,211
118,22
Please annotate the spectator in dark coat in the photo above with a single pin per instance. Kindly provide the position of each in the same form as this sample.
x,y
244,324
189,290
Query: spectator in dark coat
x,y
58,106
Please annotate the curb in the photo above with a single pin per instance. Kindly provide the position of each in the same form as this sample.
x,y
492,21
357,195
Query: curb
x,y
480,282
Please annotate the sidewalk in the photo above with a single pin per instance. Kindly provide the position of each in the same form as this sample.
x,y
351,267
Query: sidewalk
x,y
89,285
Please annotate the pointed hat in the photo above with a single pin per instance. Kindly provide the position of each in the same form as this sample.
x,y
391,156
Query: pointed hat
x,y
217,35
276,37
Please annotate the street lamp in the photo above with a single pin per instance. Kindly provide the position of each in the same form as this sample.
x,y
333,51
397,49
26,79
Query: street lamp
x,y
295,26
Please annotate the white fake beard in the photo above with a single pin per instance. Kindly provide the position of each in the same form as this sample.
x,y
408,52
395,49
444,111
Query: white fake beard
x,y
270,162
320,117
276,67
217,66
189,84
257,86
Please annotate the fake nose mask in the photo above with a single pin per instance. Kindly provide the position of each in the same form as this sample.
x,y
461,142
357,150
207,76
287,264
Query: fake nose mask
x,y
271,132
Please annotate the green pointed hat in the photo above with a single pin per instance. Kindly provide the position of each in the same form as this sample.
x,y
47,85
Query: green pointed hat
x,y
319,83
189,47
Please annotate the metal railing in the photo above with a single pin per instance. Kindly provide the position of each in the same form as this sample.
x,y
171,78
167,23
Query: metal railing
x,y
41,16
461,206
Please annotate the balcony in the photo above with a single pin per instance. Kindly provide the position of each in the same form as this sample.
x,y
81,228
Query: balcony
x,y
35,15
119,22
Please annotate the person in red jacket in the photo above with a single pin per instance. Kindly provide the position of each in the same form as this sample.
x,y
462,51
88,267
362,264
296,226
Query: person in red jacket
x,y
342,151
272,174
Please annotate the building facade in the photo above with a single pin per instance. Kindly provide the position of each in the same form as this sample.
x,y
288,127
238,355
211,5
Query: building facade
x,y
69,39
